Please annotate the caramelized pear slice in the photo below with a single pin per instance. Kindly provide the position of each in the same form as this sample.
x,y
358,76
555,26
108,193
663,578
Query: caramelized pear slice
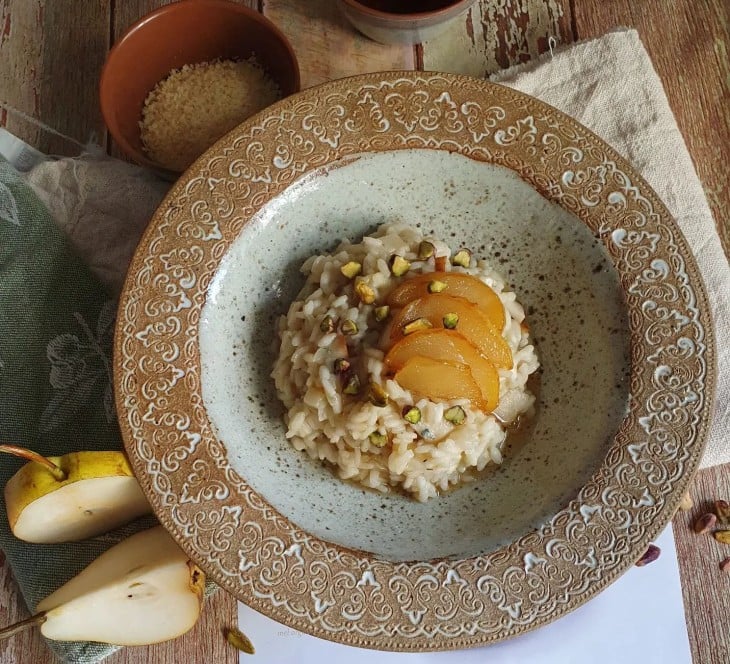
x,y
448,346
437,380
457,284
473,325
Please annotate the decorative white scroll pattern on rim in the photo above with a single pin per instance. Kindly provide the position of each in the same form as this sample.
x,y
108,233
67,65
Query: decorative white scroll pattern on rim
x,y
339,594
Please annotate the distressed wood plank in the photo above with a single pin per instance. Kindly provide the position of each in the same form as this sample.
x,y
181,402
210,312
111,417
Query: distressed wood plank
x,y
51,53
327,46
127,12
21,52
705,589
689,43
75,39
495,34
204,643
28,646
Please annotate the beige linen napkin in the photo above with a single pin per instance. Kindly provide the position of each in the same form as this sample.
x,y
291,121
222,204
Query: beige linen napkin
x,y
610,86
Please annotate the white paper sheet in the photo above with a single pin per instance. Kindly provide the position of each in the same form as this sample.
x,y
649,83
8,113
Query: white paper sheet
x,y
640,618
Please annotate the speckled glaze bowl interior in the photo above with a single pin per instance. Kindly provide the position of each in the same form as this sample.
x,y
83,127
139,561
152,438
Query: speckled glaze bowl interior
x,y
561,274
615,306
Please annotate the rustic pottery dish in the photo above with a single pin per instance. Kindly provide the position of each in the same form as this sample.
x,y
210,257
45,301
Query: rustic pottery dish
x,y
614,302
395,22
184,33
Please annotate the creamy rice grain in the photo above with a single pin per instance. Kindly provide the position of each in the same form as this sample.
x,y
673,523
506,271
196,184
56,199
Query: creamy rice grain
x,y
423,458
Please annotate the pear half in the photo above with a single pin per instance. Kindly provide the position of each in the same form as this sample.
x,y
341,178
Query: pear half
x,y
143,590
88,493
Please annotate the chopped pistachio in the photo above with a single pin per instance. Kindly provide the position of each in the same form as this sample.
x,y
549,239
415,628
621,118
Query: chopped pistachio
x,y
377,395
381,313
351,269
341,365
364,292
349,327
327,324
462,258
416,326
352,386
722,511
455,415
450,321
378,439
437,286
722,536
399,265
412,414
650,555
239,641
426,250
705,524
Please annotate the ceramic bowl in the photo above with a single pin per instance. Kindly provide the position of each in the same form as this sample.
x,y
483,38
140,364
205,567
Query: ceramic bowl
x,y
615,306
184,33
383,20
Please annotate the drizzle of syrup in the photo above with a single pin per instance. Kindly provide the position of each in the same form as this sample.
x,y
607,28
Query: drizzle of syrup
x,y
406,6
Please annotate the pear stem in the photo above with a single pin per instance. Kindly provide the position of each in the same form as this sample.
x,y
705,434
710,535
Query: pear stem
x,y
37,458
21,626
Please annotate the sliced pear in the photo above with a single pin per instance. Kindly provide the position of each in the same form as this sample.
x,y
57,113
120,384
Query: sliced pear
x,y
472,324
72,497
448,346
457,283
436,380
143,590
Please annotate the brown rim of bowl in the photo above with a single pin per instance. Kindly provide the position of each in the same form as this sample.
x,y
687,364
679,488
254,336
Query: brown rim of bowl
x,y
392,16
141,157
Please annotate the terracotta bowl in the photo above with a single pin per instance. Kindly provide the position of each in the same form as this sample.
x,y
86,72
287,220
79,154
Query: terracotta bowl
x,y
181,33
383,20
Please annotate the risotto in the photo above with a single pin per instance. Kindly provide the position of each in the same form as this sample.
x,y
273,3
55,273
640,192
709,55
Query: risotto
x,y
403,363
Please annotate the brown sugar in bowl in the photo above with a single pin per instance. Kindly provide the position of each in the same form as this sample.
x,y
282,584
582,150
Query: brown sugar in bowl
x,y
185,33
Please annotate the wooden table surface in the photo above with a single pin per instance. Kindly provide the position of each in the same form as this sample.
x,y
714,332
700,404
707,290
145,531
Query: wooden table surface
x,y
51,53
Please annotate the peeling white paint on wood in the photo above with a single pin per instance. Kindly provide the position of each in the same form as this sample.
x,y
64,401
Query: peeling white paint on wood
x,y
495,34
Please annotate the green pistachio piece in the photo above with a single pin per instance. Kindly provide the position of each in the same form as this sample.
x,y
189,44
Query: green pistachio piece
x,y
352,386
412,414
450,321
341,365
378,439
364,292
239,641
462,258
377,395
437,286
416,326
327,324
351,269
399,265
455,415
381,313
426,250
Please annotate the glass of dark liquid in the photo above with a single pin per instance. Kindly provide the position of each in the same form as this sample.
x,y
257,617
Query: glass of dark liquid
x,y
402,21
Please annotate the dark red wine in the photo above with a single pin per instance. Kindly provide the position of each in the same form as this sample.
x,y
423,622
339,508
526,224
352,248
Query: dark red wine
x,y
406,6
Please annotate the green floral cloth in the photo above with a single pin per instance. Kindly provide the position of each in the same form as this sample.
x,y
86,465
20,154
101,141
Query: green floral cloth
x,y
56,329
